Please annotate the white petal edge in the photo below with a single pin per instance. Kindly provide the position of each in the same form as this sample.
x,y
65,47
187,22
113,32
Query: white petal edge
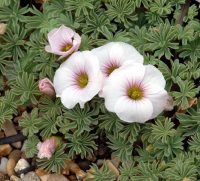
x,y
134,111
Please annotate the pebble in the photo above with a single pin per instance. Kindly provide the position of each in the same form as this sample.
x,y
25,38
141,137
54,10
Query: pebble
x,y
5,150
72,178
9,129
21,164
54,177
3,165
31,176
13,158
3,27
74,168
112,168
15,178
40,172
116,161
3,177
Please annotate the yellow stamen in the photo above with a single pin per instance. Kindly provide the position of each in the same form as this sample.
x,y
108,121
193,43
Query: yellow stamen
x,y
135,93
82,80
66,47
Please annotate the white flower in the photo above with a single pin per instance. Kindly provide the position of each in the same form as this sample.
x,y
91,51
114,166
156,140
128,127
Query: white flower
x,y
135,92
113,55
78,79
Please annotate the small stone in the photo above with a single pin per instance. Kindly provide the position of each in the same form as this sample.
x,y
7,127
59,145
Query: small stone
x,y
1,134
40,172
3,27
112,168
9,129
13,158
5,150
72,178
44,177
15,178
21,164
54,177
3,177
100,162
3,165
116,161
31,176
74,168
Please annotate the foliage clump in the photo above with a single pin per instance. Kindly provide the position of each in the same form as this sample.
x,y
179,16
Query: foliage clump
x,y
166,148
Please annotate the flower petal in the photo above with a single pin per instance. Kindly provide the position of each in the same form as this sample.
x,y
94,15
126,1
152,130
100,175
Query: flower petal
x,y
63,78
153,76
127,52
134,111
116,53
70,97
159,101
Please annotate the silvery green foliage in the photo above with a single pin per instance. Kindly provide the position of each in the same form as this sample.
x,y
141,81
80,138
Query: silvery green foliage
x,y
166,148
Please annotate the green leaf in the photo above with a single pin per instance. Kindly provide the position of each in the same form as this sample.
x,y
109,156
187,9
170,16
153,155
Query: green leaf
x,y
83,144
110,122
191,50
130,132
102,174
5,114
161,40
96,23
187,90
168,149
181,168
148,171
30,123
189,123
31,146
121,11
162,129
122,148
81,119
14,41
49,106
26,88
79,6
57,161
49,125
127,171
13,12
195,142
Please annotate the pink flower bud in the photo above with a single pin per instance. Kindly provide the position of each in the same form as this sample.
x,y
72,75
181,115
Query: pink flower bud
x,y
46,87
63,41
46,149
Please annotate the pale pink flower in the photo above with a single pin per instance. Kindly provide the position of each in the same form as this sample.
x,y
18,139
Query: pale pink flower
x,y
78,79
46,87
135,92
63,41
115,54
46,148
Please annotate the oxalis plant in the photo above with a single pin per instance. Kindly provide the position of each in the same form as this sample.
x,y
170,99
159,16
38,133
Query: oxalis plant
x,y
118,75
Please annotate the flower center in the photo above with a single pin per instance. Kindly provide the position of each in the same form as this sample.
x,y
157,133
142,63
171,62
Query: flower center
x,y
111,69
135,93
82,80
66,47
